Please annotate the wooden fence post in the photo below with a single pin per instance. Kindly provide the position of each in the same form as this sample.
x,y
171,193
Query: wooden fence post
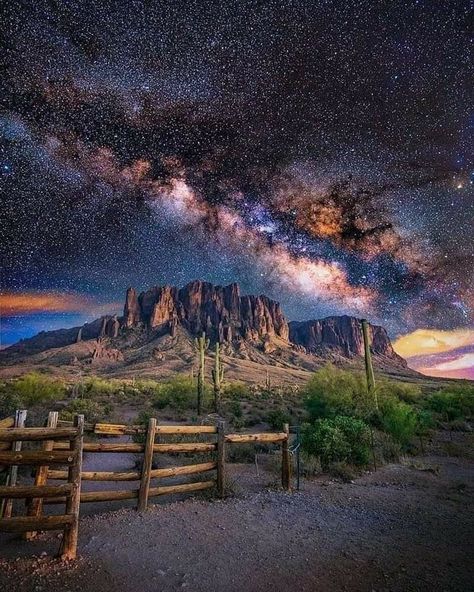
x,y
69,544
285,459
35,506
221,459
20,418
147,465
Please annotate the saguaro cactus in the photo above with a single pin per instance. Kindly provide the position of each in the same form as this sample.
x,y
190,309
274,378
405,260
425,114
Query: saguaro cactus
x,y
201,344
369,370
217,378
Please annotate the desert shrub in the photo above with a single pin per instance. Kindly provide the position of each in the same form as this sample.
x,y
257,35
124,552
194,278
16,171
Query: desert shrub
x,y
399,420
10,401
403,391
338,439
277,418
241,453
453,402
235,408
36,389
99,386
332,391
178,392
235,390
386,449
310,465
343,471
93,411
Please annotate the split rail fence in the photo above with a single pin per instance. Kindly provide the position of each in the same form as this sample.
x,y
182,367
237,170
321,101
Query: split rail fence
x,y
57,438
12,455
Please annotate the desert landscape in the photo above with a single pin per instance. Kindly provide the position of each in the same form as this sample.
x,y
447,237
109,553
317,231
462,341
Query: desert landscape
x,y
236,304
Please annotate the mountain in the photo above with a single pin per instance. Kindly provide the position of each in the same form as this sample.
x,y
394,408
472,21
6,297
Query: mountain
x,y
154,337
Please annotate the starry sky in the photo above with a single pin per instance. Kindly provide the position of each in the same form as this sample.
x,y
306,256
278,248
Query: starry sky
x,y
320,152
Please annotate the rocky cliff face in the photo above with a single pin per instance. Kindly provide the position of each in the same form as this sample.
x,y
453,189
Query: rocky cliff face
x,y
221,311
342,334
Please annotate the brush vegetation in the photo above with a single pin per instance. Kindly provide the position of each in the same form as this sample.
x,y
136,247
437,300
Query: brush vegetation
x,y
341,427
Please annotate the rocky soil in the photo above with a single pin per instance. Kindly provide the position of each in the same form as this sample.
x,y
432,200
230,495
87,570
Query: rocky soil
x,y
407,527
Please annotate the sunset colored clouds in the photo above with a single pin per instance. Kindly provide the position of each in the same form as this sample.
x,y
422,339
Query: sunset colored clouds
x,y
439,353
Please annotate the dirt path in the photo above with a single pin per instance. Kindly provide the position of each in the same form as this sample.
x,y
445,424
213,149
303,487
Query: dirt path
x,y
405,528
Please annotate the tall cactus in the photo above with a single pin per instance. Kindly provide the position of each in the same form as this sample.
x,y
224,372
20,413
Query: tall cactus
x,y
201,344
217,378
369,370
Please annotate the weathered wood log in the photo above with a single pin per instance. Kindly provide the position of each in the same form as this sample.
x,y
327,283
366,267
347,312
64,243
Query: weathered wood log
x,y
30,434
98,475
118,429
183,470
262,437
146,468
285,460
134,475
69,542
37,457
185,447
99,496
24,523
182,488
105,447
221,459
36,505
177,429
115,429
7,506
31,491
8,422
63,423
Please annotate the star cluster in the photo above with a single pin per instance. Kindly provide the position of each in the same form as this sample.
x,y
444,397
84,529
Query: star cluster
x,y
320,152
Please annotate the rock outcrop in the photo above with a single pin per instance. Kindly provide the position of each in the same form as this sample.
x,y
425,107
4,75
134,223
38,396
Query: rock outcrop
x,y
221,311
342,334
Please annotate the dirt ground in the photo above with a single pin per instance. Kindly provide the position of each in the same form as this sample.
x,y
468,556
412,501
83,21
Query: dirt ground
x,y
406,527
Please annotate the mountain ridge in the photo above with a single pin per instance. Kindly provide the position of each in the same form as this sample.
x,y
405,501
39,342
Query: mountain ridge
x,y
248,326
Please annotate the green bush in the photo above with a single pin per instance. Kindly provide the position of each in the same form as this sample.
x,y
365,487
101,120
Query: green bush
x,y
100,386
402,391
338,439
178,392
92,410
235,390
332,391
453,402
277,418
399,420
10,401
35,389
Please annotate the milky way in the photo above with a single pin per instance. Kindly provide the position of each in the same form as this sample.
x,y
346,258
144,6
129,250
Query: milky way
x,y
319,152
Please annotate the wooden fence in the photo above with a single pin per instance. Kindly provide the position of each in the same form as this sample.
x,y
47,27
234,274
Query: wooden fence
x,y
144,477
13,437
57,438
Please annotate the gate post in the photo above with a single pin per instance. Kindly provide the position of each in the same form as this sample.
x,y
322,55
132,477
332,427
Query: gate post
x,y
35,506
221,458
147,465
285,459
69,543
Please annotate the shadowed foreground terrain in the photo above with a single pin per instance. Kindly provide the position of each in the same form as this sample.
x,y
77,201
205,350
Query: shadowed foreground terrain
x,y
405,527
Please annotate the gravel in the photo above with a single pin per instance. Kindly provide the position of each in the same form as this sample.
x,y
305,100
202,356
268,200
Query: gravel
x,y
403,528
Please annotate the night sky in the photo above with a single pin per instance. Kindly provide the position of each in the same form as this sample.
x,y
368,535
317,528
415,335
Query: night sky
x,y
320,152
